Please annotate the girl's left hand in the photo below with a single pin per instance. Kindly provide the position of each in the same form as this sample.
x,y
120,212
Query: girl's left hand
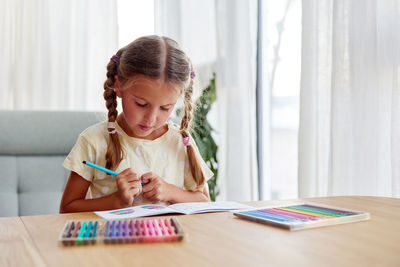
x,y
156,189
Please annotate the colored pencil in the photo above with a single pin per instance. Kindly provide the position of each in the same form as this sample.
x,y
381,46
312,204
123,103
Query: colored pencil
x,y
102,169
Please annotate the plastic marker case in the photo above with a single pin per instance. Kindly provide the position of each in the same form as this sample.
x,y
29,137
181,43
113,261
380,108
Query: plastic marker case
x,y
302,216
121,231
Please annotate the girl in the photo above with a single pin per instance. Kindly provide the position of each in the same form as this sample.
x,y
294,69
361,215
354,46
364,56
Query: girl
x,y
148,75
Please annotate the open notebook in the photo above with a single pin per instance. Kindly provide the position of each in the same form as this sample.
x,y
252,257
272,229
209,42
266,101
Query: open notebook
x,y
302,216
180,208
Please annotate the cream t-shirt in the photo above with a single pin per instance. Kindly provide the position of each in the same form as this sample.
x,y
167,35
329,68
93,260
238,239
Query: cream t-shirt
x,y
165,156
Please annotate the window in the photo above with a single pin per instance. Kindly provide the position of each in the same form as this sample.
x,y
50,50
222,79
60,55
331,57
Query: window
x,y
283,49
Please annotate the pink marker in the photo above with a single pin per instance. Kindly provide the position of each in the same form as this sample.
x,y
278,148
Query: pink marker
x,y
146,234
152,234
164,230
133,234
139,230
157,229
171,230
77,227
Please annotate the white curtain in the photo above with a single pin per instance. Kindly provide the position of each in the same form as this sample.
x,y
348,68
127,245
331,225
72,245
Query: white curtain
x,y
220,36
54,53
236,82
349,138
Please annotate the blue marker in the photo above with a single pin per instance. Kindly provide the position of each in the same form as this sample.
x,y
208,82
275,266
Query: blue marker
x,y
94,229
88,230
102,169
93,234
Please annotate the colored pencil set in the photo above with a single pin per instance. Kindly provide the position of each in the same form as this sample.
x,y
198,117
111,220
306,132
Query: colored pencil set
x,y
302,216
121,231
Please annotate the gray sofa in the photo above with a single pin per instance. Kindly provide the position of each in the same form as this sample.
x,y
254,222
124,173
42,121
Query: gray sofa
x,y
33,145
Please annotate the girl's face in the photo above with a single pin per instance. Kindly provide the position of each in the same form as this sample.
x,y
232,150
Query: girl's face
x,y
146,104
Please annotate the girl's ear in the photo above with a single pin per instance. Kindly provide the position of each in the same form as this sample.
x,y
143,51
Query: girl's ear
x,y
117,86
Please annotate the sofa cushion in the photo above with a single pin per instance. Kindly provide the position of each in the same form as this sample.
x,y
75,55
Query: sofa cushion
x,y
8,186
43,132
33,146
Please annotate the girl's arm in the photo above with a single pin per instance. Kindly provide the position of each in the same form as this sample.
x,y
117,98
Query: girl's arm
x,y
73,199
179,195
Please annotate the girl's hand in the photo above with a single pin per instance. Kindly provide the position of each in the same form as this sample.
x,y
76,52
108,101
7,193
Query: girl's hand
x,y
156,189
129,186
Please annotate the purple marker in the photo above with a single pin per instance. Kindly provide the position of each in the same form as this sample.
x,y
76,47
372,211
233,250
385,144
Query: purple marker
x,y
132,226
114,229
107,234
120,231
126,230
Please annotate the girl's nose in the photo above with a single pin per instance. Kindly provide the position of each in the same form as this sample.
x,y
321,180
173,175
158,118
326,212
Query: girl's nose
x,y
151,116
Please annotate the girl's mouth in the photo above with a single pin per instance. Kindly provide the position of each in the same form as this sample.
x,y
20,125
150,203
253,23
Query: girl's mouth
x,y
144,128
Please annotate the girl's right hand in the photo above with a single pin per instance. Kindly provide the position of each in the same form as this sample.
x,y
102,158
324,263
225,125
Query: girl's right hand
x,y
129,186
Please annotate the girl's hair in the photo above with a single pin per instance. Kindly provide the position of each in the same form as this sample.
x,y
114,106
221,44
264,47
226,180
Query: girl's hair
x,y
157,57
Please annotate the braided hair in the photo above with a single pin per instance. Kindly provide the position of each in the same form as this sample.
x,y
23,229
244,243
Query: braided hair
x,y
114,153
187,117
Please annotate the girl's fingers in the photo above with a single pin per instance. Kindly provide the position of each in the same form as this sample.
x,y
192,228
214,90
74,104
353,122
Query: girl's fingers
x,y
148,187
150,195
131,178
147,177
136,184
134,191
128,174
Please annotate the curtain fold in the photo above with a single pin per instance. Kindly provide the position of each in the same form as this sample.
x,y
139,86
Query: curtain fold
x,y
220,36
349,117
54,53
236,83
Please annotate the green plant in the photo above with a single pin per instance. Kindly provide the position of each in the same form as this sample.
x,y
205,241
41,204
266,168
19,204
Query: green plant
x,y
201,132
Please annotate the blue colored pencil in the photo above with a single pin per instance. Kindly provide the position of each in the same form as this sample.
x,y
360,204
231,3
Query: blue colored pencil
x,y
264,215
102,168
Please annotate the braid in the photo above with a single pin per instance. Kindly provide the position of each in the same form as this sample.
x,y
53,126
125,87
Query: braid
x,y
188,112
114,152
194,163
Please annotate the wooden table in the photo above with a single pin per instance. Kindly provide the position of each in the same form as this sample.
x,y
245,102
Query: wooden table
x,y
218,239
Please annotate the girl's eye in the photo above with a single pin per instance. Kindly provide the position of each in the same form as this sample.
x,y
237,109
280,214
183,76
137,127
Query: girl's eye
x,y
140,105
164,109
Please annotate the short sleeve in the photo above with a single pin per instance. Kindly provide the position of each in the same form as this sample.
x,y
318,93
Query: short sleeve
x,y
81,151
189,183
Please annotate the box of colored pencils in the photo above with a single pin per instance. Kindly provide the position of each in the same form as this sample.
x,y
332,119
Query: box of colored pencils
x,y
302,216
121,231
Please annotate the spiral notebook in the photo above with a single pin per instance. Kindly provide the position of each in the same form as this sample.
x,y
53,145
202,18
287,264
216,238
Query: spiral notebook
x,y
302,216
